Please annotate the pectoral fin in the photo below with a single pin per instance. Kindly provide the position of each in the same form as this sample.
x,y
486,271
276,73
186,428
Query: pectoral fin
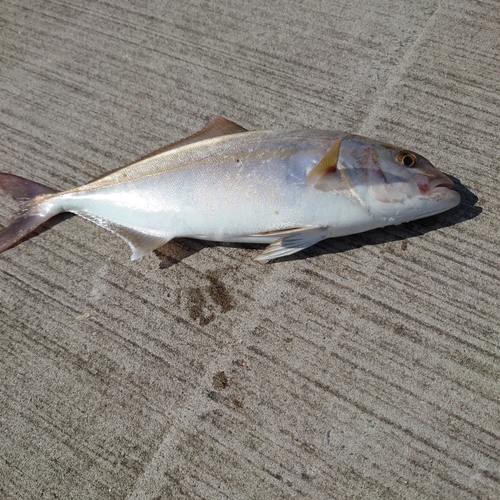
x,y
294,242
325,176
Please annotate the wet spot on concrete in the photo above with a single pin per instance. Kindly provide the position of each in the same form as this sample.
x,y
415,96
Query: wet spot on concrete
x,y
237,401
198,309
220,381
219,294
206,301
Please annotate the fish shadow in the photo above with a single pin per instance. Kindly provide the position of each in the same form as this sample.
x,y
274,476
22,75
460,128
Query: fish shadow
x,y
177,250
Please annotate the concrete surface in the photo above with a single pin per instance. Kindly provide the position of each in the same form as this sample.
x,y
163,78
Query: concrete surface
x,y
366,367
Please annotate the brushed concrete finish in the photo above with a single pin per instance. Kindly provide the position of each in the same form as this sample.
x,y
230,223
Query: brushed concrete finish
x,y
364,367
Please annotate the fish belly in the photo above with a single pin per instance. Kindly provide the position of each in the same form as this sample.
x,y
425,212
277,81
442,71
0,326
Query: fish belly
x,y
233,199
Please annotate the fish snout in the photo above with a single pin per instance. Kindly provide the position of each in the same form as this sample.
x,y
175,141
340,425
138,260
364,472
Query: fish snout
x,y
442,181
433,182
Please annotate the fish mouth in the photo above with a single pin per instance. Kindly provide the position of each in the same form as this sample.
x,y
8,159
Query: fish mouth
x,y
438,185
442,182
439,188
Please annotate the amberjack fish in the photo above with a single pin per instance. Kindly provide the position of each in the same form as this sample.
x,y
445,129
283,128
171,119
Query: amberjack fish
x,y
287,188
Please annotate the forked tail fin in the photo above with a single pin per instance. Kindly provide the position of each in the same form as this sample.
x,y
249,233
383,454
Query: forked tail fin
x,y
34,208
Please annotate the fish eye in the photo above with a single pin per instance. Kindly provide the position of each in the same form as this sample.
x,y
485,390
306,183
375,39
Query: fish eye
x,y
407,159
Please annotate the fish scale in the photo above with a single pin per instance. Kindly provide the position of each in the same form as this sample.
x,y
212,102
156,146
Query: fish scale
x,y
289,189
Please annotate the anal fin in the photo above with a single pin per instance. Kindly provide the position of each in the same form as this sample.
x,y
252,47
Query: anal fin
x,y
295,241
140,242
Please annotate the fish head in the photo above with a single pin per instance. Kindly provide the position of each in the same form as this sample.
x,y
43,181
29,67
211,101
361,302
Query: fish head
x,y
394,183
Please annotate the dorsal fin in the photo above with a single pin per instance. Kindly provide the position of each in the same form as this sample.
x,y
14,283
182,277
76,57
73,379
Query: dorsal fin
x,y
217,126
322,175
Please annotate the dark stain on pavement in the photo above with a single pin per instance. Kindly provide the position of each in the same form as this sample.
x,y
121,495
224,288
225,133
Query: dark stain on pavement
x,y
206,301
220,380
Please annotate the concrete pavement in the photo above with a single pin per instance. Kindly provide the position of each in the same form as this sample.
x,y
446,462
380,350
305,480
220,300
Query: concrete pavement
x,y
364,367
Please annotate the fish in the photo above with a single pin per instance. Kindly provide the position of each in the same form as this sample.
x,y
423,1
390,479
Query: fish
x,y
289,189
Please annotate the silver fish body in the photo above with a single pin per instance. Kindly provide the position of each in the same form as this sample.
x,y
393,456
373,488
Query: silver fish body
x,y
288,188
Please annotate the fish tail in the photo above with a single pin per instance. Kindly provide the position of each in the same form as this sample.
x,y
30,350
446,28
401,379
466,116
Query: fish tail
x,y
35,208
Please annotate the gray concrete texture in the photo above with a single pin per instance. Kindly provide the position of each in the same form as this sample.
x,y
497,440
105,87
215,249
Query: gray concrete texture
x,y
363,367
